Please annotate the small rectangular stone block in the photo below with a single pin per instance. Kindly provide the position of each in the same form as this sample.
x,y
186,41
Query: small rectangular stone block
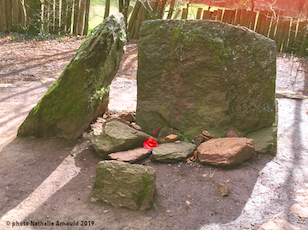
x,y
124,185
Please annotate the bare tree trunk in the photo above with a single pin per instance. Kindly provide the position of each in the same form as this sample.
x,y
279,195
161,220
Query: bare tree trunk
x,y
125,13
161,9
107,9
252,5
69,12
17,13
131,27
57,16
63,17
9,15
81,15
171,9
33,9
3,18
210,5
86,19
121,6
76,11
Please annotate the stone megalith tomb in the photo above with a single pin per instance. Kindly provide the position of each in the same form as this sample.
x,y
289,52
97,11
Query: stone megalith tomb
x,y
81,93
196,75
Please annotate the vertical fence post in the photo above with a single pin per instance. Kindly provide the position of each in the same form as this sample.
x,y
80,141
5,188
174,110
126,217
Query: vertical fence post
x,y
219,14
184,13
199,13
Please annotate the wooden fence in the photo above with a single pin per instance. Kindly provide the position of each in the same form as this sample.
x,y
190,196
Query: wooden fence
x,y
289,33
49,16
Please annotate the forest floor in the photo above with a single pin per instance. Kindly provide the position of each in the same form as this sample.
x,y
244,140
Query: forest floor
x,y
41,181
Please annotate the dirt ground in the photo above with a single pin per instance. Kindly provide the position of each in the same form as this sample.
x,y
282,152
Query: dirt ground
x,y
41,181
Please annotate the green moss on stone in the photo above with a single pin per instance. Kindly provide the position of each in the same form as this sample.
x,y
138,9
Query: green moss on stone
x,y
139,198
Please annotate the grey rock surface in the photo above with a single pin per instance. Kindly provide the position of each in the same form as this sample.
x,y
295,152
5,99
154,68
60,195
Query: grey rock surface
x,y
130,156
81,93
196,75
124,185
115,136
265,140
172,152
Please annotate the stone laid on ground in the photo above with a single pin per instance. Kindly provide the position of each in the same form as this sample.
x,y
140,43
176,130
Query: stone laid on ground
x,y
124,185
223,189
207,134
225,151
265,140
115,136
172,152
231,133
170,138
135,126
200,139
130,156
128,116
228,84
81,93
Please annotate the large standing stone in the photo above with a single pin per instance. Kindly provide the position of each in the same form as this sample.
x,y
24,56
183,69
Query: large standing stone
x,y
124,185
200,74
115,136
225,151
82,91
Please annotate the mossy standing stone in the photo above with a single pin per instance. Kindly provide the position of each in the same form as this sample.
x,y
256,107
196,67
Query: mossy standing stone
x,y
81,93
196,75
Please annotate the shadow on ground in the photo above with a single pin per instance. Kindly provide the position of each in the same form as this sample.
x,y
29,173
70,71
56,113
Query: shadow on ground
x,y
26,163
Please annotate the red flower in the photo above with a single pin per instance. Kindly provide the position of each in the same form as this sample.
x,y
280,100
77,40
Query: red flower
x,y
150,143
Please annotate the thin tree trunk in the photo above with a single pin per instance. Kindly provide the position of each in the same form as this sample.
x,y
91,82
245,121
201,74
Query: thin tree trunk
x,y
9,15
81,15
171,9
16,9
76,9
161,9
133,18
33,9
86,19
121,6
125,13
44,16
3,18
69,12
252,5
57,16
63,17
107,9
